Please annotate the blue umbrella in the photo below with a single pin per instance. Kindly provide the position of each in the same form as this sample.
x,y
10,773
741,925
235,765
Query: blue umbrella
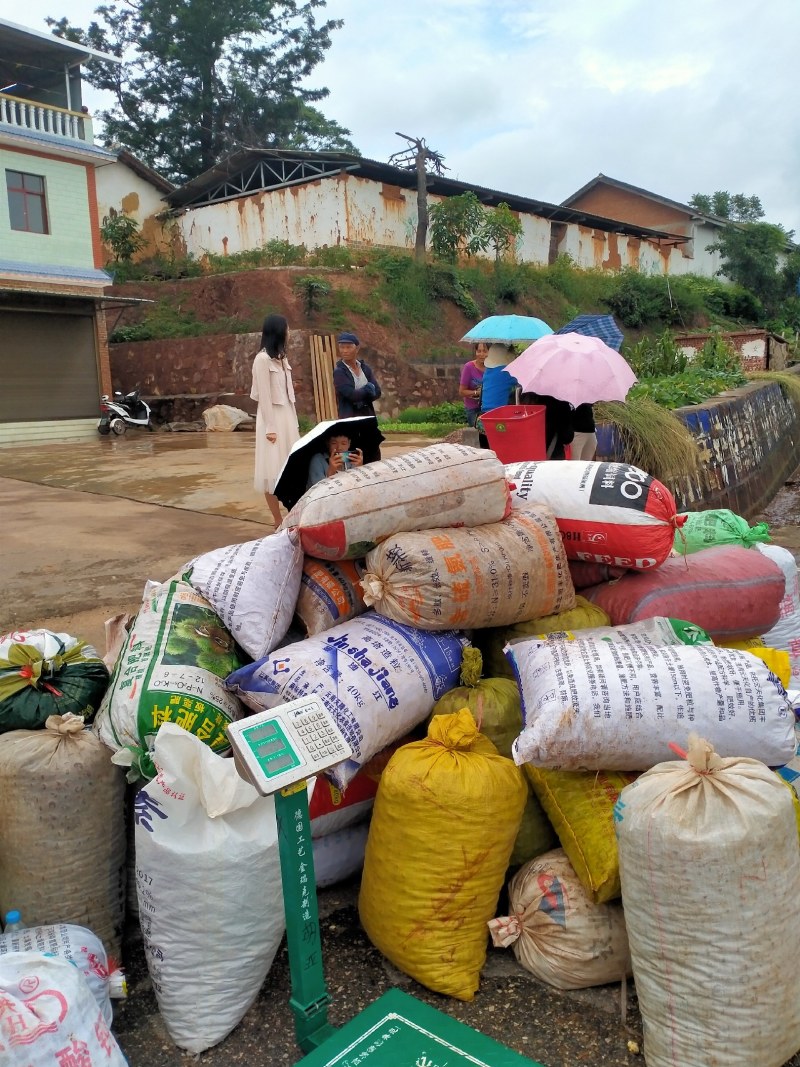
x,y
504,329
602,326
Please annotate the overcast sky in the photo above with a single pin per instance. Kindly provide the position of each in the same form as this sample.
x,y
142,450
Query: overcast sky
x,y
538,97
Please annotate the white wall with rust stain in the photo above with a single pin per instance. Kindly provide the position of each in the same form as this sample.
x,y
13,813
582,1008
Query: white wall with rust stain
x,y
120,188
354,211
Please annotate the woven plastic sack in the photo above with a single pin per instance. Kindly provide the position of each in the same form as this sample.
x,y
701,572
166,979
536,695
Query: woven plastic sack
x,y
441,485
494,575
592,705
583,616
209,887
339,855
330,593
49,1016
444,824
253,588
497,710
705,529
77,946
710,882
557,932
730,591
171,670
331,809
580,806
610,513
785,634
62,830
44,673
376,677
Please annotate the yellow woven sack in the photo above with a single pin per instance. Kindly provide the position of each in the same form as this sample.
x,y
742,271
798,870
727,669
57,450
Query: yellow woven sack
x,y
583,616
497,709
777,661
580,805
446,815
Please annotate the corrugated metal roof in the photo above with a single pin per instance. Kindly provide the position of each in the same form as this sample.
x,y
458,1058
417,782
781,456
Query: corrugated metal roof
x,y
189,193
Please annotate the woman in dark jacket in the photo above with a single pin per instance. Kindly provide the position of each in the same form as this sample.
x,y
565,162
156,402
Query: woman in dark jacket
x,y
355,384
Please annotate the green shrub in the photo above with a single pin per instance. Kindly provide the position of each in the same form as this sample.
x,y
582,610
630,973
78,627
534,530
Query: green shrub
x,y
691,387
314,290
654,357
331,256
449,412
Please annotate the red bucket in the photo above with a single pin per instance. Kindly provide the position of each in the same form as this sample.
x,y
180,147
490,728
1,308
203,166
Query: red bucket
x,y
516,432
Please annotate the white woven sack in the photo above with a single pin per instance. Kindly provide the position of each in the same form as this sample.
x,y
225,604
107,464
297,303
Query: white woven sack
x,y
209,887
557,932
441,485
597,705
378,679
49,1016
253,587
710,882
785,634
74,944
340,854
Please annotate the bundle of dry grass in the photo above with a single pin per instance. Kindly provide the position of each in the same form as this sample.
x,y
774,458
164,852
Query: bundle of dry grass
x,y
653,438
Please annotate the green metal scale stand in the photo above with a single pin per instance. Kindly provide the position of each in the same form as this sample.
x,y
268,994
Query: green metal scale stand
x,y
277,751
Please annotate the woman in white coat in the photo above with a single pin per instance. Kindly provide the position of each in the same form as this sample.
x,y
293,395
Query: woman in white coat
x,y
276,418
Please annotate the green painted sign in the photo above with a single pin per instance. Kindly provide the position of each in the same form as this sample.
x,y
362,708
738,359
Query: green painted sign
x,y
400,1031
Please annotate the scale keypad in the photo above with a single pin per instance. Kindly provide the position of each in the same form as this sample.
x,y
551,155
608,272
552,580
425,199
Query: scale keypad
x,y
316,733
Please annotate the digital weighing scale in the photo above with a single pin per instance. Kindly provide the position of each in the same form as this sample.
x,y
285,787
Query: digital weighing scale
x,y
277,750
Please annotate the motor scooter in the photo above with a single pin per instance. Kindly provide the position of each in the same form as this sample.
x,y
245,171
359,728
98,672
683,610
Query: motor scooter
x,y
123,411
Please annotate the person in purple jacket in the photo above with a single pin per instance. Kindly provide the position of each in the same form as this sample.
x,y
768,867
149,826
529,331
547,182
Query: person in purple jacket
x,y
355,384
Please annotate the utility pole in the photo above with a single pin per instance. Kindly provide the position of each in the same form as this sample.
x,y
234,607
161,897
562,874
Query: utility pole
x,y
416,157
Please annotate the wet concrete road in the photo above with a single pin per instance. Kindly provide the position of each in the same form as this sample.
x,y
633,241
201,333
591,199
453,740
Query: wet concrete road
x,y
83,528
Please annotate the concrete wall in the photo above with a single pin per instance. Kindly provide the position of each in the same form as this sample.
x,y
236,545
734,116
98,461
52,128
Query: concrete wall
x,y
750,440
355,211
69,242
187,375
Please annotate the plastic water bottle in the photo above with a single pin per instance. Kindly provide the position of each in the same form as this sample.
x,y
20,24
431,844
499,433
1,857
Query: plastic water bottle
x,y
13,922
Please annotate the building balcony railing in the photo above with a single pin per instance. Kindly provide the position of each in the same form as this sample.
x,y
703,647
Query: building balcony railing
x,y
33,117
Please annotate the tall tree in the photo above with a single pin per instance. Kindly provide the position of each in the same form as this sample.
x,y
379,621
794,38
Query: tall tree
x,y
418,157
734,206
202,77
758,256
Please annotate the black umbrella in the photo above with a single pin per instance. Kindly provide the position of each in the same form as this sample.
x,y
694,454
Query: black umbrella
x,y
363,433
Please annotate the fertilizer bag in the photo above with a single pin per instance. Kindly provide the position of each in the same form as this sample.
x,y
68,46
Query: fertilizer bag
x,y
376,677
62,829
730,591
43,673
171,670
444,823
206,846
49,1017
610,513
492,575
330,593
710,882
253,588
558,934
441,485
598,705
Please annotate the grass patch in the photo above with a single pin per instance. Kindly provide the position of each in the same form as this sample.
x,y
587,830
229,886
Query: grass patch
x,y
653,439
424,429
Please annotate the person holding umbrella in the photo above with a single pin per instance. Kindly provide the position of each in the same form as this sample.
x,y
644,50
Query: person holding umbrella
x,y
334,456
276,417
355,384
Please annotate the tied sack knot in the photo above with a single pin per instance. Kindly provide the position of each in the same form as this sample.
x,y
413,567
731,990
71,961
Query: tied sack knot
x,y
505,930
471,667
457,731
64,724
373,588
701,755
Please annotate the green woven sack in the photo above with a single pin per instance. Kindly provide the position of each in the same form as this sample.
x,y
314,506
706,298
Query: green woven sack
x,y
705,529
44,673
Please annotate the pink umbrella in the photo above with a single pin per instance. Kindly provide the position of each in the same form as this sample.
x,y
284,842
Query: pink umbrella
x,y
573,367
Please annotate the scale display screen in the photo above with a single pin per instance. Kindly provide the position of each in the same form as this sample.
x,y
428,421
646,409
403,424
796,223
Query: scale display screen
x,y
271,748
